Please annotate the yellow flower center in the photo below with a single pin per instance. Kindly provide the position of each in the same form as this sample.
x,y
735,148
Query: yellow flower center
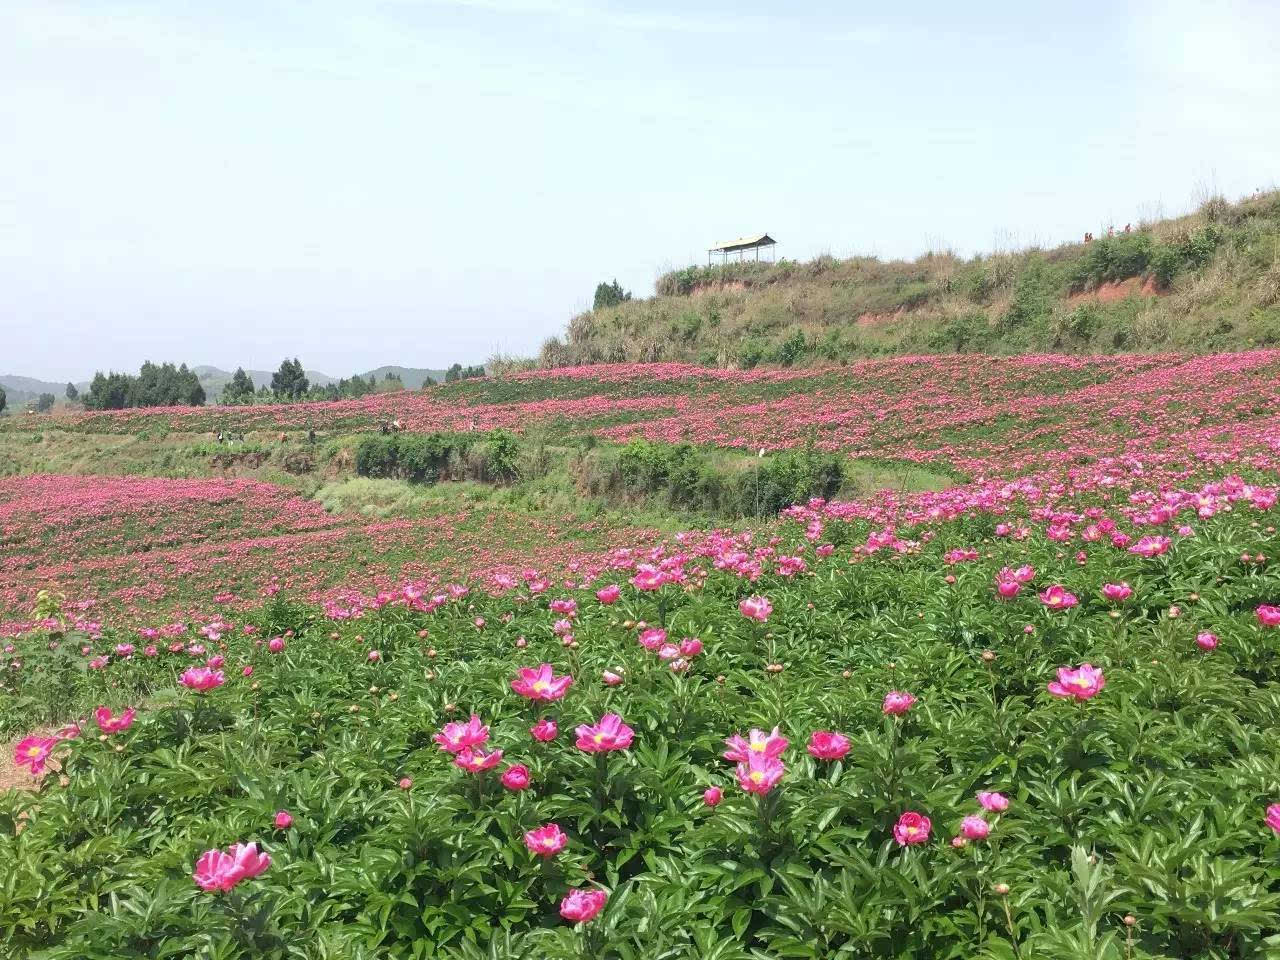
x,y
756,776
541,686
598,738
34,751
758,747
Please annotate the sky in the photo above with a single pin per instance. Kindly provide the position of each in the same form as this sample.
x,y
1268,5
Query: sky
x,y
359,182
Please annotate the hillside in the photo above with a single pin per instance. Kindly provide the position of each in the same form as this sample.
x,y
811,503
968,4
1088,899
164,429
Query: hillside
x,y
1207,281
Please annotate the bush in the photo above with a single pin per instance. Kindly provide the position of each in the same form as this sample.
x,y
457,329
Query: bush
x,y
1110,259
414,457
1034,294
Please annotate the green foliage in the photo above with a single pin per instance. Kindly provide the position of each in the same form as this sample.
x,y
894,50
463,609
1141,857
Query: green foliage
x,y
502,455
609,295
458,372
429,458
4,399
156,385
1034,295
240,389
419,458
966,333
792,350
72,393
289,383
685,476
1110,259
44,403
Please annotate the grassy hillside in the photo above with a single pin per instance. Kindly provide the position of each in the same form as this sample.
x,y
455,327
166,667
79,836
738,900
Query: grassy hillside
x,y
1206,281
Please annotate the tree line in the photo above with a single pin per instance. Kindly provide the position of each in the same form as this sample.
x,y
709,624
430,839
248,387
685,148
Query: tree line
x,y
159,385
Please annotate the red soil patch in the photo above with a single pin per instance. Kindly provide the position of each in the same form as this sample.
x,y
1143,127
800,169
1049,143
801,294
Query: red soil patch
x,y
1118,290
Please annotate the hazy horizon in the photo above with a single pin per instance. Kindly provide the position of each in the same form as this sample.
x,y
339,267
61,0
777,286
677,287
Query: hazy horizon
x,y
419,182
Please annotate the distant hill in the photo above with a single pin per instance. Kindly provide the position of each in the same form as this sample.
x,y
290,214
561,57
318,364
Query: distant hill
x,y
412,377
1206,281
213,379
19,390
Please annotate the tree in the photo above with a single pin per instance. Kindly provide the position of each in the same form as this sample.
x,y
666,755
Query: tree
x,y
72,393
290,381
44,402
156,385
459,372
609,295
109,391
3,399
239,390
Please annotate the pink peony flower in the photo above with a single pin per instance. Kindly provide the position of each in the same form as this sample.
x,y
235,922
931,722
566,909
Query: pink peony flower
x,y
284,820
546,841
201,679
33,752
405,783
1006,586
374,656
712,796
1024,574
220,871
690,647
1268,616
756,608
1151,546
544,730
1273,817
247,671
516,777
609,734
1057,597
1082,683
609,595
610,678
458,736
995,802
474,761
653,638
650,578
912,828
275,644
214,663
1206,641
897,702
826,745
110,724
760,773
540,683
1117,592
579,906
759,744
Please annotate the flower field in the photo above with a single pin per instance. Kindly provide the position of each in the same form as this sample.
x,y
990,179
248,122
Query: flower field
x,y
1032,715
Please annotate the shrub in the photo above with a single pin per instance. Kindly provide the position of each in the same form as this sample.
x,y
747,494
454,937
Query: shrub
x,y
1110,259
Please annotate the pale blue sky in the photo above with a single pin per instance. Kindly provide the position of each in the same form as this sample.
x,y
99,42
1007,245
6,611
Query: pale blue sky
x,y
421,181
